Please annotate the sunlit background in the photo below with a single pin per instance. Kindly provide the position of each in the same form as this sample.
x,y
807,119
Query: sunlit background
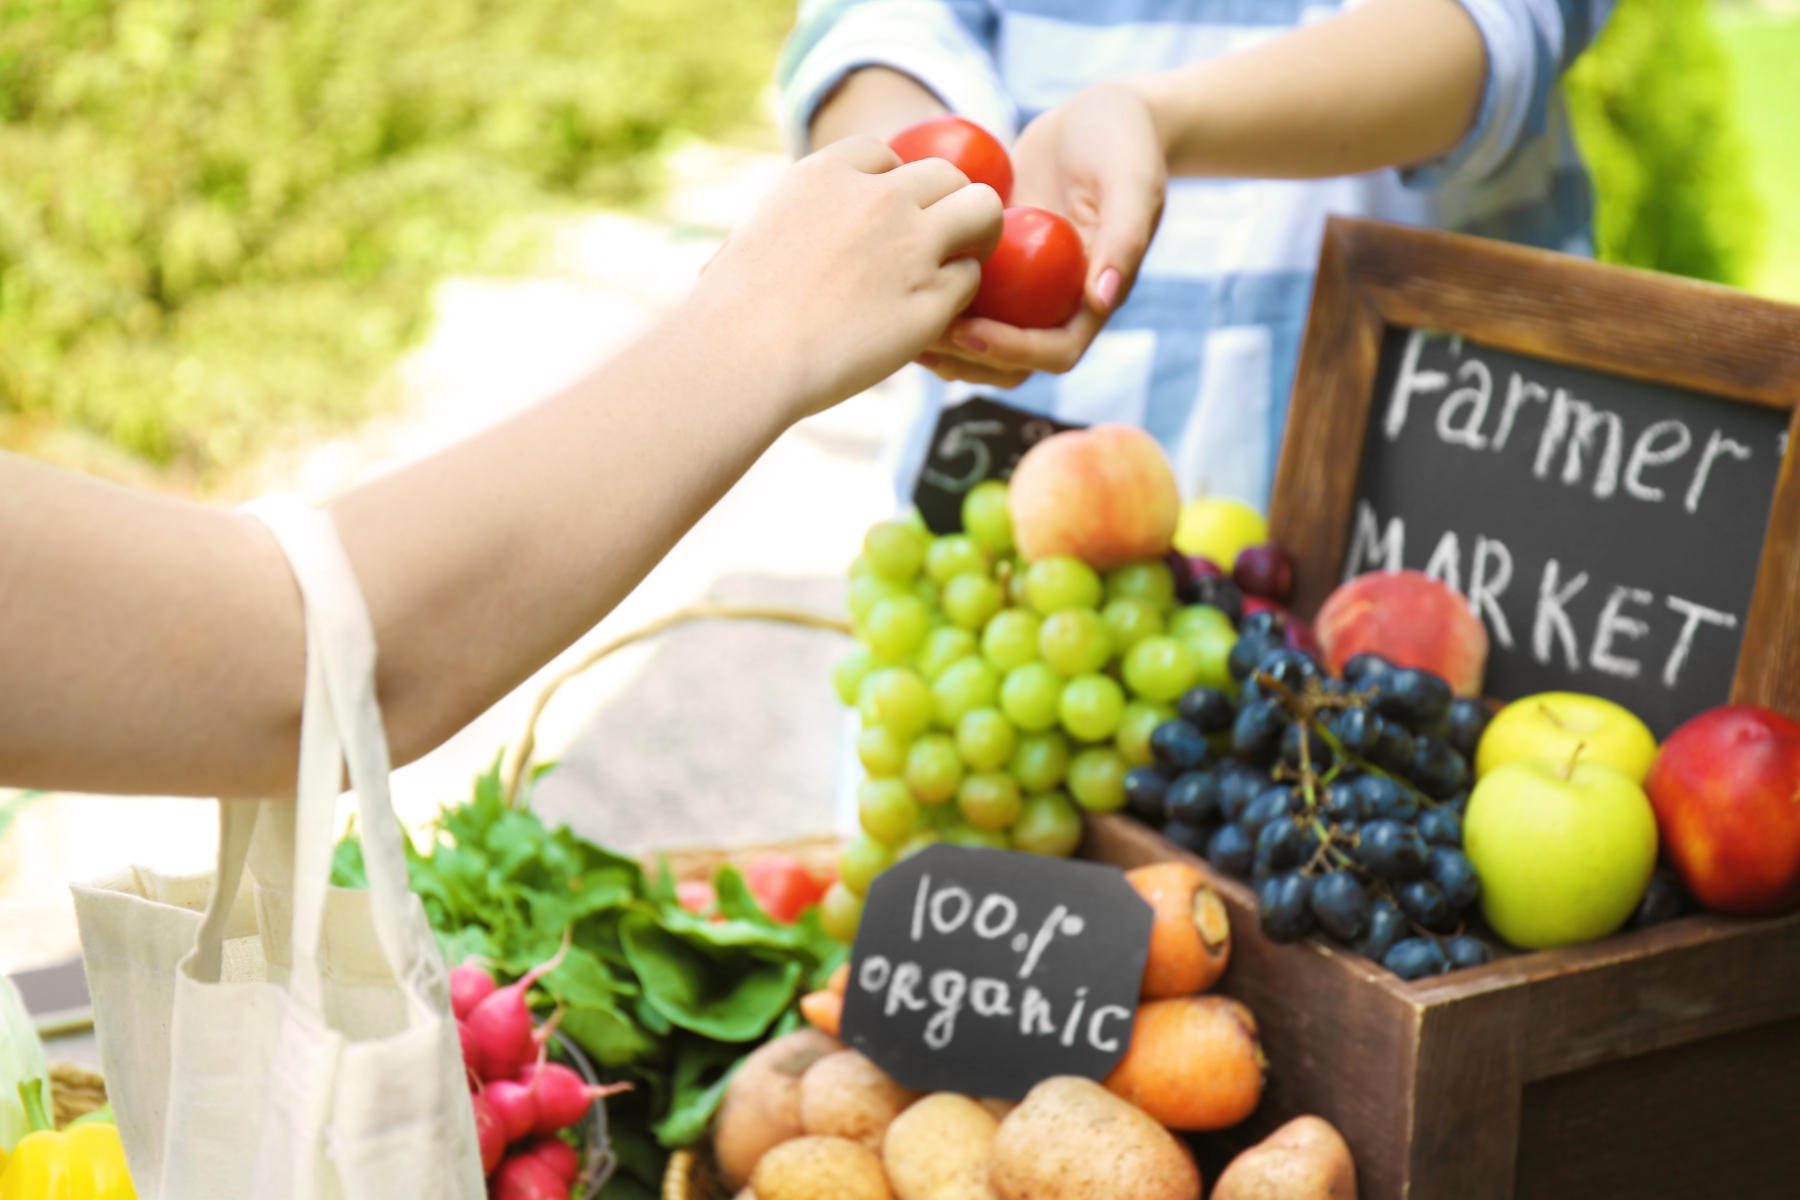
x,y
259,245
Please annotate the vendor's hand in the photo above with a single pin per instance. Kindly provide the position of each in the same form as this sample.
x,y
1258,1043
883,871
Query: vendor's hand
x,y
848,269
1097,161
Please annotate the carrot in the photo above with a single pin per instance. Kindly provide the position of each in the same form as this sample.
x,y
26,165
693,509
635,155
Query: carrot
x,y
839,982
1190,934
1194,1062
824,1009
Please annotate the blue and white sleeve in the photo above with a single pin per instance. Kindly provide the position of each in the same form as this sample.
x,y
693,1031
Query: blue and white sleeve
x,y
947,45
1530,43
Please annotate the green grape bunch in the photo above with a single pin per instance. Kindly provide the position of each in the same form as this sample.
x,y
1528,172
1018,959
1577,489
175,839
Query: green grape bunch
x,y
1000,699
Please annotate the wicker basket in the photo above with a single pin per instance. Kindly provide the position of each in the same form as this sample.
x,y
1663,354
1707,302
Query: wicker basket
x,y
693,1176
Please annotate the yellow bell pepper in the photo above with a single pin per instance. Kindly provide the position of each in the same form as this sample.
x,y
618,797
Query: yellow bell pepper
x,y
85,1162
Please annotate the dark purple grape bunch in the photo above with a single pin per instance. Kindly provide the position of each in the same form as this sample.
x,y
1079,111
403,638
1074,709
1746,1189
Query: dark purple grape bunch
x,y
1341,800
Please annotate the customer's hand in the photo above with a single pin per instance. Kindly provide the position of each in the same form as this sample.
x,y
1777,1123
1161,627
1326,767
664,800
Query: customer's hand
x,y
1098,162
849,268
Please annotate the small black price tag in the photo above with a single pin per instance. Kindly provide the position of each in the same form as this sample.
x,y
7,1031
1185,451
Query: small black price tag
x,y
987,971
978,439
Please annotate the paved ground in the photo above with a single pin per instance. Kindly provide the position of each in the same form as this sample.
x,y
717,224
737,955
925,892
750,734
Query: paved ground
x,y
714,733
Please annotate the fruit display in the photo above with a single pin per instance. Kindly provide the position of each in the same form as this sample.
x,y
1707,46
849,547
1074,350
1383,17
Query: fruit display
x,y
1000,697
1341,800
1564,850
1554,726
1726,789
1408,619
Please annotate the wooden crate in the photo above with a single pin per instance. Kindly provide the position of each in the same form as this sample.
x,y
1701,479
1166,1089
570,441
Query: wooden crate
x,y
1661,1063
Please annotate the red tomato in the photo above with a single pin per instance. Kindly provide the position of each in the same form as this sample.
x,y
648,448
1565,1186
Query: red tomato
x,y
967,146
783,886
1034,277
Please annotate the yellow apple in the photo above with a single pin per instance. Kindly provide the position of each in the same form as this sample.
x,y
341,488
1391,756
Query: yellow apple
x,y
1564,850
1217,528
1551,725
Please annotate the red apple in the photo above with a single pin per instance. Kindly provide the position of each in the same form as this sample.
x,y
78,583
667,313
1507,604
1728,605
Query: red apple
x,y
1202,567
1266,570
1408,619
1105,495
1726,789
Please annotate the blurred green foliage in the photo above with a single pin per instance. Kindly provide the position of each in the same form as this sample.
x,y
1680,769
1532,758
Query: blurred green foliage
x,y
220,220
1656,117
1764,45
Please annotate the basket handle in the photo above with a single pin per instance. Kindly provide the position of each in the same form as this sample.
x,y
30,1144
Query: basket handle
x,y
703,610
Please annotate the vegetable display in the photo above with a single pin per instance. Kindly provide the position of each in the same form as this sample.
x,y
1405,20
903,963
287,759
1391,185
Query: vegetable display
x,y
807,1119
21,1062
657,996
84,1162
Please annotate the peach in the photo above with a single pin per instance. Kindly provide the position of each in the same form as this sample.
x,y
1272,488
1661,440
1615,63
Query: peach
x,y
1408,619
1105,495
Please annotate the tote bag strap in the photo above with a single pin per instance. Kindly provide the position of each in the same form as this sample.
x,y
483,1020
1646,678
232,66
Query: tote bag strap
x,y
342,724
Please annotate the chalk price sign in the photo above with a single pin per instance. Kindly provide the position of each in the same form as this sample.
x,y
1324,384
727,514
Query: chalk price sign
x,y
978,439
986,971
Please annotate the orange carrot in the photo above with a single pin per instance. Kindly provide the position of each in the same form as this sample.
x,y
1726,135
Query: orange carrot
x,y
839,981
1190,937
1194,1063
824,1009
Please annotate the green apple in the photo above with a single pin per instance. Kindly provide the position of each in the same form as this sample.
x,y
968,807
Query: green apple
x,y
1564,850
1555,726
1216,528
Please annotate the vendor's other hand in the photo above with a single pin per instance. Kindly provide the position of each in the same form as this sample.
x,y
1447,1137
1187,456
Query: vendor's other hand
x,y
850,267
1098,162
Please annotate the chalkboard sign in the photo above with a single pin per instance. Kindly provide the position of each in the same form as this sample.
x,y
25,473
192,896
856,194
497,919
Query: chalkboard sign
x,y
1596,458
987,971
978,439
1607,531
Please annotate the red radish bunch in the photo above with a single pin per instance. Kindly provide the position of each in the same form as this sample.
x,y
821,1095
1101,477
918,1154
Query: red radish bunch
x,y
521,1101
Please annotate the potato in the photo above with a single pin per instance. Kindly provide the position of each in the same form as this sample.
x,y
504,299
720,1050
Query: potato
x,y
845,1095
761,1108
1000,1109
1072,1139
1306,1159
964,1189
939,1145
819,1168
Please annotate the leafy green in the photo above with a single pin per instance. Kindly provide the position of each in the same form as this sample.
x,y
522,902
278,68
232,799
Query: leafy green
x,y
1653,109
651,992
221,220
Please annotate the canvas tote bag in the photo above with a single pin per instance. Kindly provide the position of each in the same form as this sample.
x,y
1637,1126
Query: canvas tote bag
x,y
264,1035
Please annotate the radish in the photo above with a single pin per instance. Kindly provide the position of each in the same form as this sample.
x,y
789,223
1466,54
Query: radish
x,y
525,1177
469,986
556,1154
515,1105
563,1096
468,1051
488,1132
501,1024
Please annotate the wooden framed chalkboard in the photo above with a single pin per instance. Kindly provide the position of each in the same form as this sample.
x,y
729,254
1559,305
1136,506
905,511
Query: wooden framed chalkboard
x,y
1595,456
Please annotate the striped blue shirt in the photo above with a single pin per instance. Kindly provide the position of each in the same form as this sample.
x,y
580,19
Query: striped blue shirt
x,y
1202,354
